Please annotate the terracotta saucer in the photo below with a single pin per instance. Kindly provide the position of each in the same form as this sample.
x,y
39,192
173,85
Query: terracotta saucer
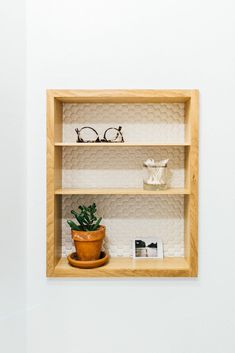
x,y
73,260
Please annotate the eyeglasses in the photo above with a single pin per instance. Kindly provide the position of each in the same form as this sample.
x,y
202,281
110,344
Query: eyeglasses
x,y
88,134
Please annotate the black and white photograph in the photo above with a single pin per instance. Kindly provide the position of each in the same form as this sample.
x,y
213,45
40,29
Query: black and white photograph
x,y
151,248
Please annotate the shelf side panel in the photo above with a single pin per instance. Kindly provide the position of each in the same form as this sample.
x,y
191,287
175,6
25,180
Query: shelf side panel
x,y
191,181
54,180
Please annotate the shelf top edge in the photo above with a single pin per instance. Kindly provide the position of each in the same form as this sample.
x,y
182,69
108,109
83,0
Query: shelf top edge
x,y
119,95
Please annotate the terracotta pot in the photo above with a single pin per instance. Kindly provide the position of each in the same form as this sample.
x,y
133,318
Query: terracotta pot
x,y
88,244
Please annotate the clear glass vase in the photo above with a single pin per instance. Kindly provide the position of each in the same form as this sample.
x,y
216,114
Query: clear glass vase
x,y
155,175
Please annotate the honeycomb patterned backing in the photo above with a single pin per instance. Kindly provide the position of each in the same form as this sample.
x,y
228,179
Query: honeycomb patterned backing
x,y
131,216
90,167
126,217
156,123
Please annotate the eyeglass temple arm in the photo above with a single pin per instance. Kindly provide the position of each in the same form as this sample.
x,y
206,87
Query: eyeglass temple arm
x,y
119,129
78,131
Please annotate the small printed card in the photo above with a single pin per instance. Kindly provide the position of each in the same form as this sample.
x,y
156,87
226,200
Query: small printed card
x,y
151,248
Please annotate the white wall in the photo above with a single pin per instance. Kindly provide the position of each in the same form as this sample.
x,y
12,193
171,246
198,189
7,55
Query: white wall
x,y
13,177
136,44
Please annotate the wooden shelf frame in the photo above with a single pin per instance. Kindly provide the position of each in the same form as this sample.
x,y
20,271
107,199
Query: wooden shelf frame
x,y
122,267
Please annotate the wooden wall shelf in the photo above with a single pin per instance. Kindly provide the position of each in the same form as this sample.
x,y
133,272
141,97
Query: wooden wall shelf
x,y
57,265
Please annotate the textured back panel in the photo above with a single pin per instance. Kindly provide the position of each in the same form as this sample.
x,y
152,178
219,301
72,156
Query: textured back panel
x,y
128,217
90,167
142,123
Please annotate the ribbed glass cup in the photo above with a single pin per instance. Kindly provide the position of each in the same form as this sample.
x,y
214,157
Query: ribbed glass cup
x,y
154,177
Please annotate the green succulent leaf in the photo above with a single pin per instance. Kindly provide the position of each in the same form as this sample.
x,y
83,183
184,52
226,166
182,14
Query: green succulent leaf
x,y
96,225
75,214
86,218
73,225
79,217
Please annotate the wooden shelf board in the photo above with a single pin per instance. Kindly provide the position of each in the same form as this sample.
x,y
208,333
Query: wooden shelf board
x,y
125,144
135,191
128,267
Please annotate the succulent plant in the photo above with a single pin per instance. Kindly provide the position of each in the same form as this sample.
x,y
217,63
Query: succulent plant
x,y
86,218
